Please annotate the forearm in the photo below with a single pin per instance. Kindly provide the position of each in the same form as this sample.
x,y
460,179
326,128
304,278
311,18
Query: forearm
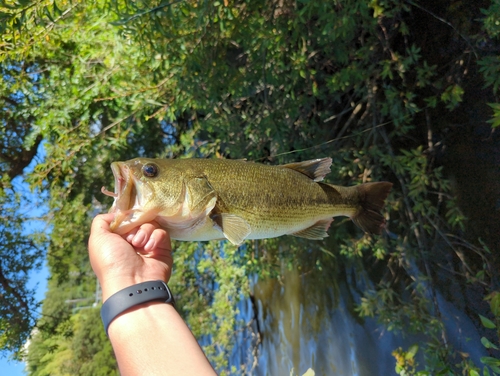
x,y
152,339
149,338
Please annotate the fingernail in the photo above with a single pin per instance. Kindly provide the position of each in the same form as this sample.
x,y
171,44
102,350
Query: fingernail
x,y
150,244
139,237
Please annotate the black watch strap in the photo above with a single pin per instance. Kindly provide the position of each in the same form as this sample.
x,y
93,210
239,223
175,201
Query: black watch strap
x,y
134,295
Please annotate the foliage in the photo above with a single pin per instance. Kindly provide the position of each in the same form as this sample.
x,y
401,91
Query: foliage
x,y
20,253
378,86
86,351
436,357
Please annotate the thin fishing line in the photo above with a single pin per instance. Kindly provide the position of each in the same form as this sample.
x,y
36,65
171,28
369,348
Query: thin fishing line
x,y
329,141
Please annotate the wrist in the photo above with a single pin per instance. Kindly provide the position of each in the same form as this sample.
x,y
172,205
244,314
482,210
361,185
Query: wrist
x,y
112,285
133,297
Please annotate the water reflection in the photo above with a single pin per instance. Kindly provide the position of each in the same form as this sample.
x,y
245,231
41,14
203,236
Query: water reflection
x,y
294,323
310,325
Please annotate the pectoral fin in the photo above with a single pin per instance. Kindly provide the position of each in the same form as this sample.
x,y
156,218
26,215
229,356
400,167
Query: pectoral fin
x,y
317,231
316,169
234,228
200,196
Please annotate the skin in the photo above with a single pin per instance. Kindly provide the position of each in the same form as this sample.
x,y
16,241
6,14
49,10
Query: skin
x,y
151,338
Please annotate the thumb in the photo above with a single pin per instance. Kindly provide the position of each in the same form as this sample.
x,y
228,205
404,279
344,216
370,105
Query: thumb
x,y
102,223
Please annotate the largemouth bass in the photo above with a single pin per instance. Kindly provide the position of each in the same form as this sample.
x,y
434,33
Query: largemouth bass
x,y
208,199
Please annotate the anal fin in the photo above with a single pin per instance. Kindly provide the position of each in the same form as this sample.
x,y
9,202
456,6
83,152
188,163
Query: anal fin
x,y
317,231
234,228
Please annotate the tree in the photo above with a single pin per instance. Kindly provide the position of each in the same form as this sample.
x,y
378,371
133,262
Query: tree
x,y
20,253
85,352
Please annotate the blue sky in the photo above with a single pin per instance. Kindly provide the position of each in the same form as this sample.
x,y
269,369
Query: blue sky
x,y
11,368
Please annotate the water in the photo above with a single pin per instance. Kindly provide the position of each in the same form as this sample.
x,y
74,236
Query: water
x,y
292,324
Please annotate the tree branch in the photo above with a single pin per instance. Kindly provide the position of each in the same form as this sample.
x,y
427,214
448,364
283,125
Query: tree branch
x,y
18,163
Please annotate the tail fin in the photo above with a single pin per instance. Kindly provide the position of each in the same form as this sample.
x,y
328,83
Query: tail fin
x,y
372,199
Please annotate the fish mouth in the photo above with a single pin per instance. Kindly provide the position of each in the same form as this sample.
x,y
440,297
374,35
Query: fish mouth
x,y
130,196
125,194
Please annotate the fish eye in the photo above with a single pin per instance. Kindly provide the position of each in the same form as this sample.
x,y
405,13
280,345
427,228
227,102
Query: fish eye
x,y
150,170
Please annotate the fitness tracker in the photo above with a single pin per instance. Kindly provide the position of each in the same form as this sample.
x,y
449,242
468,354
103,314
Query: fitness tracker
x,y
134,295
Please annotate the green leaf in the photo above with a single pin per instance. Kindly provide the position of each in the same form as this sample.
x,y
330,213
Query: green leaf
x,y
495,121
486,343
493,363
495,304
47,12
487,323
412,351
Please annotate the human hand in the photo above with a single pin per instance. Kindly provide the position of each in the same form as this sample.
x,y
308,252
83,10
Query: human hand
x,y
144,254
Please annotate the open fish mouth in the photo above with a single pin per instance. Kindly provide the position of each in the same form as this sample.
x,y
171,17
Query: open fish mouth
x,y
130,195
125,193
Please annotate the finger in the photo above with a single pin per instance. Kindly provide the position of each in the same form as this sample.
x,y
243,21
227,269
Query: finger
x,y
101,223
159,242
143,235
129,236
100,229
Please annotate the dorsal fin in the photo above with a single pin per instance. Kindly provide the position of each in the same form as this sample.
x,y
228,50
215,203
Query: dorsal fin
x,y
316,169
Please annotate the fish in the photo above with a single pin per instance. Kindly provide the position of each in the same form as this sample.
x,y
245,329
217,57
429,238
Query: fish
x,y
212,199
